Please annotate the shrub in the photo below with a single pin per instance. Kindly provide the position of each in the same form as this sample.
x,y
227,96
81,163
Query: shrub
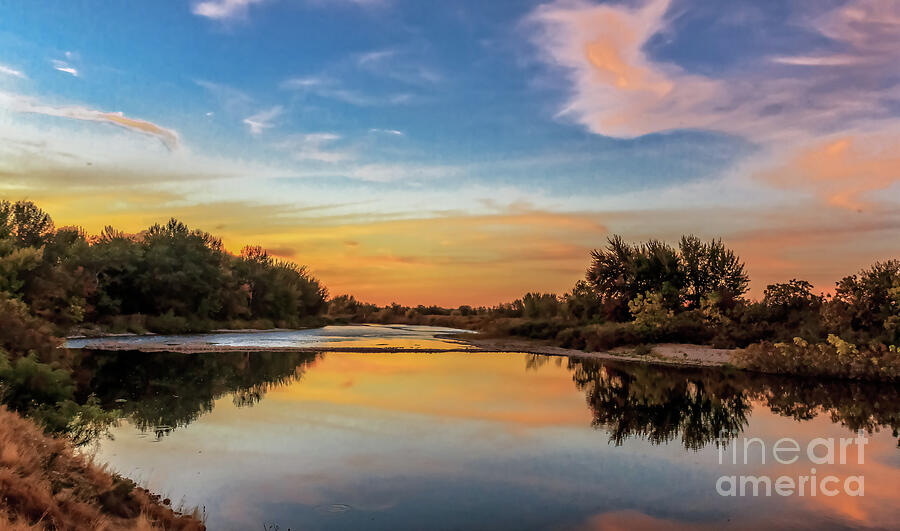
x,y
650,313
168,323
834,358
609,336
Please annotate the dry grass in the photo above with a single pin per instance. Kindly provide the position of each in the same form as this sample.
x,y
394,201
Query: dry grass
x,y
45,486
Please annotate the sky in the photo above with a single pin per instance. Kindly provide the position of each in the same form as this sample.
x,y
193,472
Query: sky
x,y
464,152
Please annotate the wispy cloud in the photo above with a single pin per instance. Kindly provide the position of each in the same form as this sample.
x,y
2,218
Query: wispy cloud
x,y
398,65
25,104
819,60
63,66
9,71
409,173
326,87
313,146
262,120
393,132
230,98
223,9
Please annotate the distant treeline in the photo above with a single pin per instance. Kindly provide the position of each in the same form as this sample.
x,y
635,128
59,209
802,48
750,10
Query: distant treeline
x,y
167,278
653,292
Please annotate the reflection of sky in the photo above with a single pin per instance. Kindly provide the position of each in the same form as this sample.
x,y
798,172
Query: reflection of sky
x,y
405,336
412,441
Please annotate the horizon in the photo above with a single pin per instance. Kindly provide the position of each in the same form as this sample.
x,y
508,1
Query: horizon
x,y
464,153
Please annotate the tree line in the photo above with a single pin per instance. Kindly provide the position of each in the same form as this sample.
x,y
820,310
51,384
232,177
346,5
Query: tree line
x,y
168,279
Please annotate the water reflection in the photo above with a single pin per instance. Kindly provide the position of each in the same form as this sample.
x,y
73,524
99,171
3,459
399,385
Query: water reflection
x,y
160,392
698,405
462,440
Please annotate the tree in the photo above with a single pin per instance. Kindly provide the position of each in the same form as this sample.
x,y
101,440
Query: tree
x,y
709,267
621,272
863,303
25,222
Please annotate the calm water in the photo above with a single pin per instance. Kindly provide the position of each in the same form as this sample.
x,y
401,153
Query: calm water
x,y
479,441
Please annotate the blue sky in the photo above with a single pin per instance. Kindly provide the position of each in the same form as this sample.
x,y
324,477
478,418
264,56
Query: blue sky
x,y
646,117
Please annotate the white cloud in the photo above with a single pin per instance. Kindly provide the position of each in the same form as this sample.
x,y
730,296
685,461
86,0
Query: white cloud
x,y
63,66
263,119
223,9
25,104
12,72
230,9
331,89
394,132
818,60
231,99
313,146
399,65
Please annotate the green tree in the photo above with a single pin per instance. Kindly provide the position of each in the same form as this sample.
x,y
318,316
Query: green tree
x,y
709,267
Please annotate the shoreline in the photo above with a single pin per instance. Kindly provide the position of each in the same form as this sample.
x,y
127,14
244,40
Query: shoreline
x,y
671,354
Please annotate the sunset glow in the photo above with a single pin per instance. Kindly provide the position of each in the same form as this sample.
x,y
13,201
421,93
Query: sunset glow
x,y
464,152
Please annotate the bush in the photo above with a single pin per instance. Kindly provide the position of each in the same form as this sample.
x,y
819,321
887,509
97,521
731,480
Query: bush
x,y
544,329
571,338
834,358
609,336
168,323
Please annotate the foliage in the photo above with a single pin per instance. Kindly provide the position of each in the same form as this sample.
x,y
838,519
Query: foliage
x,y
650,312
835,358
621,272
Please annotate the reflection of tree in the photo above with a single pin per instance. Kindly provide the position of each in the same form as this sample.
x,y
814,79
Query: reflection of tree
x,y
856,405
642,401
661,404
163,391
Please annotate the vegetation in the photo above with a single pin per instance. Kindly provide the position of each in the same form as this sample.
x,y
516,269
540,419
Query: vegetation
x,y
698,406
635,295
166,279
44,485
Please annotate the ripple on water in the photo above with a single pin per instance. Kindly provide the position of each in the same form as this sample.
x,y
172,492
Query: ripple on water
x,y
333,508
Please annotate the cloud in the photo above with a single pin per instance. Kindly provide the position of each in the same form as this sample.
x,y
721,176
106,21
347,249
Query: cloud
x,y
393,132
223,9
617,89
822,60
263,119
12,72
329,88
63,66
24,104
411,173
397,65
312,146
324,87
231,99
806,111
843,170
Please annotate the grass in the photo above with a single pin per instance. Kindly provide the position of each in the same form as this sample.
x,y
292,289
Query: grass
x,y
45,485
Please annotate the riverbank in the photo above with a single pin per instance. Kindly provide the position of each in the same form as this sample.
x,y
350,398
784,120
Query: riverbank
x,y
44,484
661,354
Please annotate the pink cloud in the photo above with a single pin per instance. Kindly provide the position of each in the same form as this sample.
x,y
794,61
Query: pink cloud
x,y
617,89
